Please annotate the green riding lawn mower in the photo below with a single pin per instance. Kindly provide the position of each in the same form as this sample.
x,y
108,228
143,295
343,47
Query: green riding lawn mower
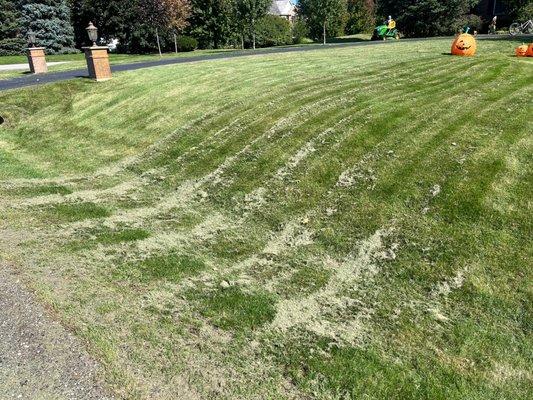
x,y
384,32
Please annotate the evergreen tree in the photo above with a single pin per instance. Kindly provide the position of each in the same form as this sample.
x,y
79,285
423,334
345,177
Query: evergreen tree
x,y
324,17
11,42
427,17
50,20
9,19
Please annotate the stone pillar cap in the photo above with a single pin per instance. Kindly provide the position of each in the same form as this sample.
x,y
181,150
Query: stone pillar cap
x,y
36,48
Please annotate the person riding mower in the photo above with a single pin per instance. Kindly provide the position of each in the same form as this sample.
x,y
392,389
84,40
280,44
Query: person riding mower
x,y
387,30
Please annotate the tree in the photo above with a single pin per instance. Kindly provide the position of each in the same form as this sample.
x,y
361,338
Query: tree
x,y
361,16
300,31
249,12
153,14
427,17
323,16
9,19
273,30
50,20
178,12
112,17
139,25
525,12
211,22
11,42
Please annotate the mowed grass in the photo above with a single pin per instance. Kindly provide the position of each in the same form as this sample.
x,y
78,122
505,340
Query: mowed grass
x,y
340,223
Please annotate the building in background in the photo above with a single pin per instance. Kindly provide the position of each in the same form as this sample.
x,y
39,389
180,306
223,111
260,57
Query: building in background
x,y
283,8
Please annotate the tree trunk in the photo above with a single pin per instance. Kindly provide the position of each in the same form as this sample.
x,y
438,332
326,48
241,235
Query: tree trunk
x,y
324,31
158,44
175,44
242,41
253,33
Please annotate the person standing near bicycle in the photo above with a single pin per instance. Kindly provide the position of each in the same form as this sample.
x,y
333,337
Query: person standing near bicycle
x,y
492,26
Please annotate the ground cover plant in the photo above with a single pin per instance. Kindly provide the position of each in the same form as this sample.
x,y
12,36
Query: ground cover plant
x,y
339,223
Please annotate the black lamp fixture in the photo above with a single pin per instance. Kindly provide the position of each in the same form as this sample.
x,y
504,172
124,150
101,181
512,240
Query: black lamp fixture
x,y
92,31
32,38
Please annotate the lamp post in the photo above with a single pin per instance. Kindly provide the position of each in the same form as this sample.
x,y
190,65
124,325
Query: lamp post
x,y
36,56
97,56
92,32
32,38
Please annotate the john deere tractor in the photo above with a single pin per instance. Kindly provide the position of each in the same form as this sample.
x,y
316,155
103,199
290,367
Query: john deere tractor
x,y
386,31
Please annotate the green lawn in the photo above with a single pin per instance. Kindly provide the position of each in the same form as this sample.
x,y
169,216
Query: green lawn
x,y
339,223
77,61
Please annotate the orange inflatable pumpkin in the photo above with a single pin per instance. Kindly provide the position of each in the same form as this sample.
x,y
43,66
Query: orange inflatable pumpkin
x,y
530,50
521,51
464,45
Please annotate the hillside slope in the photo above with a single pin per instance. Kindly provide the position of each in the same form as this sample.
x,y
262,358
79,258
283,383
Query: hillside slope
x,y
347,223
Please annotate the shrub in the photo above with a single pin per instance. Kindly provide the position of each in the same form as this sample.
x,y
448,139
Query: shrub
x,y
272,30
186,43
423,18
300,31
526,12
315,12
12,46
473,21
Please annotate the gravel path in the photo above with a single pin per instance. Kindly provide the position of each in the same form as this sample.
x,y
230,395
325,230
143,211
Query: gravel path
x,y
39,359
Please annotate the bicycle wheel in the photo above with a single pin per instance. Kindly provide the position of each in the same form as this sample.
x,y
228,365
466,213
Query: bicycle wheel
x,y
514,29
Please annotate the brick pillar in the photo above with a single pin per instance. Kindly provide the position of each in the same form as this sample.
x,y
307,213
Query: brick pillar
x,y
98,63
37,60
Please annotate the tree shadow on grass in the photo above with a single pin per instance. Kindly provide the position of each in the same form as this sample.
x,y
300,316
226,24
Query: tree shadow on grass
x,y
347,39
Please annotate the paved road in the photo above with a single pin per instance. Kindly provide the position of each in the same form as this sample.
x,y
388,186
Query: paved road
x,y
31,80
22,67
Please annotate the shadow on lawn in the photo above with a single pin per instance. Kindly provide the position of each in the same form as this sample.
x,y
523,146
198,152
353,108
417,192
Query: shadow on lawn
x,y
347,39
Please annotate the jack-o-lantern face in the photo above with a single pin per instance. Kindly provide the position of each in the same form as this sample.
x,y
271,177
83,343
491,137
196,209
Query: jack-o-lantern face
x,y
521,51
464,45
530,50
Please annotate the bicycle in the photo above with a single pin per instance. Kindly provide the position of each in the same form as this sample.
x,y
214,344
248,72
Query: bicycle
x,y
517,27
